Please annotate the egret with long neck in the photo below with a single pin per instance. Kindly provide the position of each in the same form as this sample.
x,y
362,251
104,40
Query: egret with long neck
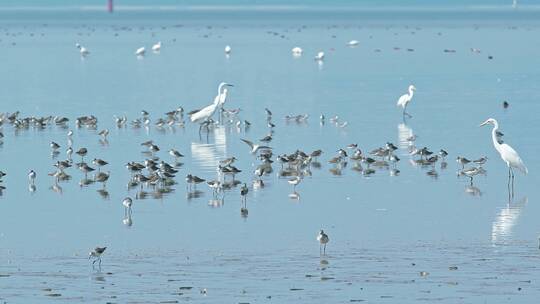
x,y
404,100
507,153
201,116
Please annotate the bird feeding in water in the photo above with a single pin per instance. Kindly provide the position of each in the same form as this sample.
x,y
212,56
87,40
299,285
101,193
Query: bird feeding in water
x,y
96,254
405,99
323,240
507,153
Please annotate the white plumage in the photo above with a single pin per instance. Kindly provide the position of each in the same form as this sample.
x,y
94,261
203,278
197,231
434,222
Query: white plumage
x,y
156,47
208,111
508,154
140,51
404,100
297,51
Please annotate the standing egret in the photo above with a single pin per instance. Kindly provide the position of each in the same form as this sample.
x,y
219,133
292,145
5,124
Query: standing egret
x,y
297,51
404,100
201,116
156,47
319,56
228,49
140,51
508,154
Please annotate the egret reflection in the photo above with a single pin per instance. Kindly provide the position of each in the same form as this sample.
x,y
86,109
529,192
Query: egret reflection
x,y
406,136
208,155
506,219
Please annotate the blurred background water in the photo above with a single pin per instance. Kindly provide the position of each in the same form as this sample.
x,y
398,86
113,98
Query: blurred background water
x,y
384,230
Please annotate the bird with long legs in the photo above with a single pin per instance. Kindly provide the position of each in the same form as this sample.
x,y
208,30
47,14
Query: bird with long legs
x,y
323,240
507,153
96,254
405,99
202,116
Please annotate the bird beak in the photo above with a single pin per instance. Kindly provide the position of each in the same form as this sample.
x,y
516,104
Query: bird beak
x,y
483,124
230,85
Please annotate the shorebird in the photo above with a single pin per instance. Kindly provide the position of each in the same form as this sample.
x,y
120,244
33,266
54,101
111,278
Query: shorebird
x,y
297,51
32,176
82,153
243,193
193,180
103,133
99,163
156,47
54,146
443,154
254,147
294,181
96,253
228,49
462,161
404,100
174,153
470,173
140,51
323,240
319,56
127,202
353,43
102,177
82,50
481,160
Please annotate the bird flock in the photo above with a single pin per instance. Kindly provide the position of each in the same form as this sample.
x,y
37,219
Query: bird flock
x,y
156,176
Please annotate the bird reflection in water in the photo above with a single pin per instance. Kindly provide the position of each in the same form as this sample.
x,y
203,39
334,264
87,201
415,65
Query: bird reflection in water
x,y
104,194
208,155
127,221
57,188
194,194
506,219
406,137
32,188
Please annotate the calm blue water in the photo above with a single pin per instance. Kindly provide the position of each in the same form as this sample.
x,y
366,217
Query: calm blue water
x,y
384,229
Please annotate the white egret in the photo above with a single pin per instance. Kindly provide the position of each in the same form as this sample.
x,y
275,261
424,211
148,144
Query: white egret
x,y
228,49
84,51
353,43
156,47
202,115
508,154
297,51
140,51
319,56
404,100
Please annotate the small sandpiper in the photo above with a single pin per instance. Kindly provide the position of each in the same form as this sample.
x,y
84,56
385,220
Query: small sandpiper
x,y
323,240
96,253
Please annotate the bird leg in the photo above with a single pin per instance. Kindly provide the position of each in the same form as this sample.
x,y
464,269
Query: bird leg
x,y
324,251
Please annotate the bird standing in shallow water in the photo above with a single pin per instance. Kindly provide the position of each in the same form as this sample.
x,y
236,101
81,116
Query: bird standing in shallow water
x,y
96,253
507,153
404,100
323,240
32,176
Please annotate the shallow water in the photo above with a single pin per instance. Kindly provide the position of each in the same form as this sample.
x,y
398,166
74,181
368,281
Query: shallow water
x,y
384,230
